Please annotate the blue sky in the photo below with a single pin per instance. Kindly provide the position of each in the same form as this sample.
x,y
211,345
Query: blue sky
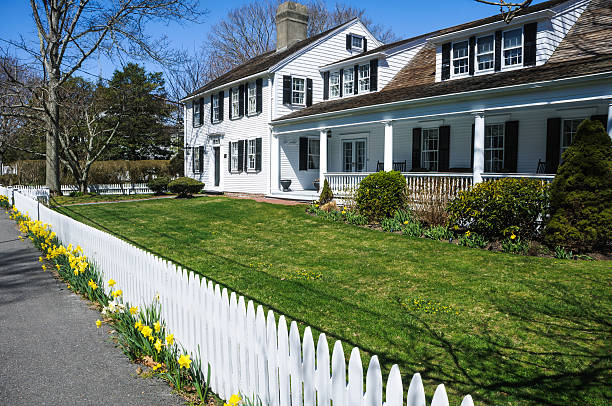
x,y
406,17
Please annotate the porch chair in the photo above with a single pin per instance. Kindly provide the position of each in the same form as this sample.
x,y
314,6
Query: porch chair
x,y
399,166
380,166
541,167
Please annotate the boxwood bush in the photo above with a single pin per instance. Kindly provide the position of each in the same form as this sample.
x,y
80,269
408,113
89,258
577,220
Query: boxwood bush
x,y
495,209
381,194
185,187
159,185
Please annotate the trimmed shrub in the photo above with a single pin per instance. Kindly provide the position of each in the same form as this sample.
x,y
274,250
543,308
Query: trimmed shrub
x,y
159,185
496,209
185,187
581,193
9,179
326,194
381,194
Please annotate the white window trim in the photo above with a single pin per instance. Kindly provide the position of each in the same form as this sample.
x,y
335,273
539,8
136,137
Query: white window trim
x,y
234,154
309,154
563,148
215,110
425,151
476,68
352,82
503,49
293,78
354,138
354,48
331,85
251,155
252,99
195,123
502,148
195,163
363,79
235,103
467,58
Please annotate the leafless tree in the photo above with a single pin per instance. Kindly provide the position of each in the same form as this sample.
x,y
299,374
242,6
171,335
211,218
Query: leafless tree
x,y
70,31
508,9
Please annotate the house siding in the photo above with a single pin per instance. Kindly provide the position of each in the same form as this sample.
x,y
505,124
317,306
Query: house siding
x,y
397,59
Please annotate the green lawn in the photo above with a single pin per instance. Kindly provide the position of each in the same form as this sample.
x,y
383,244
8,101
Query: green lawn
x,y
521,330
92,198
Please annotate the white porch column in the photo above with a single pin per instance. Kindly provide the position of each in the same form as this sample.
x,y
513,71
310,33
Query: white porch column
x,y
275,166
388,157
322,157
479,131
610,118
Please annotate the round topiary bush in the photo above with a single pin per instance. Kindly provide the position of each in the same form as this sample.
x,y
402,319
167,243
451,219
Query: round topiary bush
x,y
499,208
381,194
159,185
185,187
581,193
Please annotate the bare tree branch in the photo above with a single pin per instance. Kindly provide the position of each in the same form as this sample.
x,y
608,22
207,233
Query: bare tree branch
x,y
508,9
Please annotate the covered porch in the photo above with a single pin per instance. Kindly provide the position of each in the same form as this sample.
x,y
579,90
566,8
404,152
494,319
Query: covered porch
x,y
439,155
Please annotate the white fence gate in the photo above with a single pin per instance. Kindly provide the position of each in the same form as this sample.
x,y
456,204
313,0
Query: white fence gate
x,y
249,351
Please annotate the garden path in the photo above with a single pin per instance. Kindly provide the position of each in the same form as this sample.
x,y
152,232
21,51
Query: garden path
x,y
50,349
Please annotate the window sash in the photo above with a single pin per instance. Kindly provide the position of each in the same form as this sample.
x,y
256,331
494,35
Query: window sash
x,y
512,46
235,103
569,129
334,84
252,99
484,53
251,150
494,147
364,78
196,160
356,42
348,81
460,57
215,108
196,113
429,148
234,156
298,91
313,153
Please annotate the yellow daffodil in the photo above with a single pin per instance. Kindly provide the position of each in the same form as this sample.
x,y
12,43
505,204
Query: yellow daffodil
x,y
146,331
98,323
184,361
157,345
157,326
57,266
40,259
44,268
76,272
133,310
467,233
138,325
92,284
512,237
343,211
157,366
117,293
111,282
405,222
170,339
234,400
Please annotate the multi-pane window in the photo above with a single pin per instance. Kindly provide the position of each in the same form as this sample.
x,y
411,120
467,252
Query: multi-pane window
x,y
356,42
484,53
235,103
215,108
348,81
313,153
494,148
251,150
429,148
569,131
513,47
197,111
234,156
460,57
334,84
298,93
252,99
196,160
364,78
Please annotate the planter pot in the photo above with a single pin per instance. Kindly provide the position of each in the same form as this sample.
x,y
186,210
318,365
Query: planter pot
x,y
316,184
285,183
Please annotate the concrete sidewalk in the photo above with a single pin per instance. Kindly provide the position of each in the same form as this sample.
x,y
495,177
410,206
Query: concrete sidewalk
x,y
51,352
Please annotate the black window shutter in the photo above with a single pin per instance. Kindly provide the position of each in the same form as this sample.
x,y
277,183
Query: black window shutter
x,y
374,75
211,108
245,156
365,44
341,73
356,79
471,55
229,99
241,156
303,153
497,52
201,110
229,156
308,92
259,95
446,53
553,144
416,148
511,146
325,85
240,100
443,148
348,42
258,154
286,89
472,148
603,119
201,159
530,32
221,101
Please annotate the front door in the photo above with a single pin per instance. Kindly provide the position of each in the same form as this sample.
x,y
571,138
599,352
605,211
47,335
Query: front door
x,y
354,155
217,165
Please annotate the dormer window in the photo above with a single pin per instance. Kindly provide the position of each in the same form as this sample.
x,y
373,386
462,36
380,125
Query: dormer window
x,y
364,78
348,79
215,108
484,53
513,47
460,58
356,42
334,84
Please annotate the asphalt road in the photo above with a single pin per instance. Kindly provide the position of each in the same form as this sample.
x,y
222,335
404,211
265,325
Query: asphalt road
x,y
51,352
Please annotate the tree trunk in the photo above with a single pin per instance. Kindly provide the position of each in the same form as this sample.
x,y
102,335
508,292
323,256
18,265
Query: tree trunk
x,y
52,173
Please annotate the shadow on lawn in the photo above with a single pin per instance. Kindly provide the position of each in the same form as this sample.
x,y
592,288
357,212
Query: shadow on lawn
x,y
564,356
571,323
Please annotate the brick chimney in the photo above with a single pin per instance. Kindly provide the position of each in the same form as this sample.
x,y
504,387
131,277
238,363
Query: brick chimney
x,y
291,24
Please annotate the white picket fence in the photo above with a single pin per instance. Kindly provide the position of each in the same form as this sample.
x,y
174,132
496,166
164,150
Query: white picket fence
x,y
103,189
249,351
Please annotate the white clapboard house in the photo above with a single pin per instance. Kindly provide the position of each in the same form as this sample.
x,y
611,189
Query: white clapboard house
x,y
449,108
